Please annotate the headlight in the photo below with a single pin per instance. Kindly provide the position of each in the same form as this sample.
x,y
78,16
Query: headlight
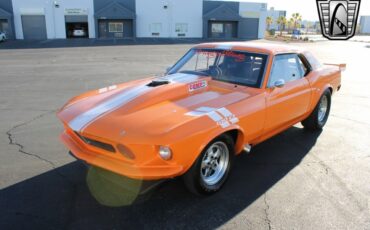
x,y
165,153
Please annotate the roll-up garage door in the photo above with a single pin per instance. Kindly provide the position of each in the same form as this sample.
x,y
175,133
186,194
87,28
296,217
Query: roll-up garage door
x,y
34,27
76,18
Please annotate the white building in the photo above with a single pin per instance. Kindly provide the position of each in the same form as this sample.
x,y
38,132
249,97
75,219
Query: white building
x,y
129,19
169,19
310,26
233,19
257,11
365,25
49,19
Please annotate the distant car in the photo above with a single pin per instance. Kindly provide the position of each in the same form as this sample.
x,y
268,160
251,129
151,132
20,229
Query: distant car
x,y
219,99
2,36
79,32
296,34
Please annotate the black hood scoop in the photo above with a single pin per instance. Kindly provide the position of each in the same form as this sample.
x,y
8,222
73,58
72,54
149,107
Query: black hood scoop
x,y
158,82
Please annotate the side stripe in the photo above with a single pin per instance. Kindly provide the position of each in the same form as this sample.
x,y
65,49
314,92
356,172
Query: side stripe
x,y
228,115
84,119
221,116
214,116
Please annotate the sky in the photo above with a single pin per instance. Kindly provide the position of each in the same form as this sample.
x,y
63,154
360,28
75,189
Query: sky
x,y
307,8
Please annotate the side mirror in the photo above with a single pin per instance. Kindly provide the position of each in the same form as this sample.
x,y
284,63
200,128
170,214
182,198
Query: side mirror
x,y
279,83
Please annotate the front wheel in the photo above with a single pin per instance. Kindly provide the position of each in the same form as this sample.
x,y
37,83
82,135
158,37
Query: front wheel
x,y
319,117
211,169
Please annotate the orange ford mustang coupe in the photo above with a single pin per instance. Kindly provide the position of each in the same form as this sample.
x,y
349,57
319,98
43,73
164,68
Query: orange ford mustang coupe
x,y
216,101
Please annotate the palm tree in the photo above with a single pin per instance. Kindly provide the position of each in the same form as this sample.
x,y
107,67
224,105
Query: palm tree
x,y
297,19
281,21
309,27
269,21
290,25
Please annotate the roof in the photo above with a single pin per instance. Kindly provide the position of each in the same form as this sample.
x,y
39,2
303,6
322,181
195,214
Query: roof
x,y
268,48
115,10
223,12
4,13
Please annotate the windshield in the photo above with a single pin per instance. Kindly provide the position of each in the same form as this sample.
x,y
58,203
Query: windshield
x,y
235,67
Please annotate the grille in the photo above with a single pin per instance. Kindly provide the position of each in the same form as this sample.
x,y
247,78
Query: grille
x,y
97,144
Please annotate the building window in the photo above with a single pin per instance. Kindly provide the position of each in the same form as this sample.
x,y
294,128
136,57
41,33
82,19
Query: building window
x,y
181,28
116,27
217,28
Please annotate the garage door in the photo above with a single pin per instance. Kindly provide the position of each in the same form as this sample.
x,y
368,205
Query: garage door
x,y
249,28
76,18
34,27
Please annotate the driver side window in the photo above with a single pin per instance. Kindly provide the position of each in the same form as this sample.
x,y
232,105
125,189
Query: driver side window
x,y
286,67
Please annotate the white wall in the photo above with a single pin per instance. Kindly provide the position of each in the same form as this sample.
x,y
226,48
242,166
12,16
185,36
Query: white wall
x,y
365,24
54,17
188,12
32,7
86,6
255,10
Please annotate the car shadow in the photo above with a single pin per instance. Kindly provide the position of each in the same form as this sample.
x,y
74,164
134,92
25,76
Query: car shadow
x,y
60,199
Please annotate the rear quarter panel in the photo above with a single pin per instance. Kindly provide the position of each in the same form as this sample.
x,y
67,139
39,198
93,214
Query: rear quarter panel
x,y
325,77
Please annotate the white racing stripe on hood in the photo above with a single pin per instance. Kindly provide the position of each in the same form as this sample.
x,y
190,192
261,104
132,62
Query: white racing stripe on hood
x,y
84,119
180,78
81,121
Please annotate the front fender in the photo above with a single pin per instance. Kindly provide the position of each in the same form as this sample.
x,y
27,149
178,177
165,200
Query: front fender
x,y
239,142
188,150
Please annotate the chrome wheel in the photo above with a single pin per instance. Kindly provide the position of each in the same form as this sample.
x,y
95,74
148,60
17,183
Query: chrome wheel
x,y
214,163
323,108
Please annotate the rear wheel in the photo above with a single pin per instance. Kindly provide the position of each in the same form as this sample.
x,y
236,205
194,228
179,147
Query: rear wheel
x,y
319,117
211,169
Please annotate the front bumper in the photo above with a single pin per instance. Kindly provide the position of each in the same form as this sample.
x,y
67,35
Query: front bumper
x,y
152,170
146,186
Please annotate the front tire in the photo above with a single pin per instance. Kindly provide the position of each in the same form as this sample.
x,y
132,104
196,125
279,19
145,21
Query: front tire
x,y
210,171
320,115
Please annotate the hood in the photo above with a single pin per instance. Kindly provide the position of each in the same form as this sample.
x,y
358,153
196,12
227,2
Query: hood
x,y
149,107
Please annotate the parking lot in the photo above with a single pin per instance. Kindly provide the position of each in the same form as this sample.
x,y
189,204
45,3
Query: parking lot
x,y
296,180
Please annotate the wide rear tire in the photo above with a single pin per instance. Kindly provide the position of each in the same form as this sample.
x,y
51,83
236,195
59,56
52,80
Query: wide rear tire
x,y
319,116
